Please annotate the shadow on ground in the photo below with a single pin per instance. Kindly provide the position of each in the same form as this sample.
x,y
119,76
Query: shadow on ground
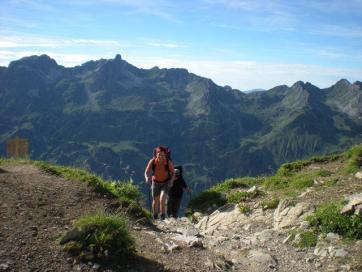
x,y
132,263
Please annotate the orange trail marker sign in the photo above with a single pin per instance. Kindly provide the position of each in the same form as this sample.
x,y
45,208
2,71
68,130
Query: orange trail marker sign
x,y
17,148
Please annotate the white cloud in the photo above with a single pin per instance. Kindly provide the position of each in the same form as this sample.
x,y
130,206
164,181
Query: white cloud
x,y
339,31
243,75
159,8
34,4
333,6
165,44
33,41
246,75
68,60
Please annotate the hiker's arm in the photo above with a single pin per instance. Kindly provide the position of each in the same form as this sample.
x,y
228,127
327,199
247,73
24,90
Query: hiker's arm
x,y
148,168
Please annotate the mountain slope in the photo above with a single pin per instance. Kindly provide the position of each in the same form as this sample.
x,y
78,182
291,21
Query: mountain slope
x,y
107,116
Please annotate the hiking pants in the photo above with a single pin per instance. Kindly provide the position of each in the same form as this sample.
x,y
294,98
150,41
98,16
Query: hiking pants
x,y
173,205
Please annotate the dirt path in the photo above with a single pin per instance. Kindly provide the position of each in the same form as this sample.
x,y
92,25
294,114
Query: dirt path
x,y
35,209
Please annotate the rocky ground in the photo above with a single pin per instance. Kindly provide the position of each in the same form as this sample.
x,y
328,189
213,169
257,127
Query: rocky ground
x,y
36,208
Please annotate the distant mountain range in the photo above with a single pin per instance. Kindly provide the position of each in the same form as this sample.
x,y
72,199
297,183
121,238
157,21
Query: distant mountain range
x,y
107,116
254,90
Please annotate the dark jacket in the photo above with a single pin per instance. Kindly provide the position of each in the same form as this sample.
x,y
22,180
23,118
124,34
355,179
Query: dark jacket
x,y
177,189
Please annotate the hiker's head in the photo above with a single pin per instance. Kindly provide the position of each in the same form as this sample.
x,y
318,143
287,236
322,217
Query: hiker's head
x,y
177,172
160,155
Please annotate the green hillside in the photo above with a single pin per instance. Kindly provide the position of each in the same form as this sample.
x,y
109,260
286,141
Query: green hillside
x,y
108,115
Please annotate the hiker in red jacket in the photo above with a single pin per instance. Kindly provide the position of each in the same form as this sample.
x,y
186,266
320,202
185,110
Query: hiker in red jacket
x,y
162,178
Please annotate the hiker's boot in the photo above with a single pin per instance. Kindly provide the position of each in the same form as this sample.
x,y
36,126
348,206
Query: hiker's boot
x,y
163,216
155,216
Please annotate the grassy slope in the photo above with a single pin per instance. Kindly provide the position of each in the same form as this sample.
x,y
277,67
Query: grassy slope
x,y
319,173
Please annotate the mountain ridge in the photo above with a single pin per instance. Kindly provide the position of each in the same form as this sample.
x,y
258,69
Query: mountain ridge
x,y
107,115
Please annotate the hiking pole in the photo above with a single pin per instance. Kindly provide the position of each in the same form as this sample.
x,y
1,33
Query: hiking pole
x,y
149,199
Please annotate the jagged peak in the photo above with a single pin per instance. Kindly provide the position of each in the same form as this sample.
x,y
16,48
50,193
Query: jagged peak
x,y
358,84
40,62
118,57
343,82
298,84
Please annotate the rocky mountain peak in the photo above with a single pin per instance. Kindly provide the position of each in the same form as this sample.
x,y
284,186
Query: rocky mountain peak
x,y
343,83
43,63
118,57
298,85
358,84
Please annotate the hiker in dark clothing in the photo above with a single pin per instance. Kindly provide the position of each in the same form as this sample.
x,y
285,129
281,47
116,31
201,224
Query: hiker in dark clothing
x,y
175,193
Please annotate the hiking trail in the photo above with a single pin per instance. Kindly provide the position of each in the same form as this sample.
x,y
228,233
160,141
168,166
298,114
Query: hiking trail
x,y
37,208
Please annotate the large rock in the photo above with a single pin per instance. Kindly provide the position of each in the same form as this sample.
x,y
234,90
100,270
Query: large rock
x,y
358,175
224,216
354,204
260,238
287,216
263,259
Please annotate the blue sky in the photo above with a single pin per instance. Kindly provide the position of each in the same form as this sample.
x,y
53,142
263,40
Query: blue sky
x,y
244,44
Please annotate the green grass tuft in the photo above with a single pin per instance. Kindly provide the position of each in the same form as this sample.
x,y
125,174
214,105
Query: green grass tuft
x,y
244,208
324,173
304,239
230,184
327,218
297,181
331,182
238,196
272,203
289,168
102,236
354,156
